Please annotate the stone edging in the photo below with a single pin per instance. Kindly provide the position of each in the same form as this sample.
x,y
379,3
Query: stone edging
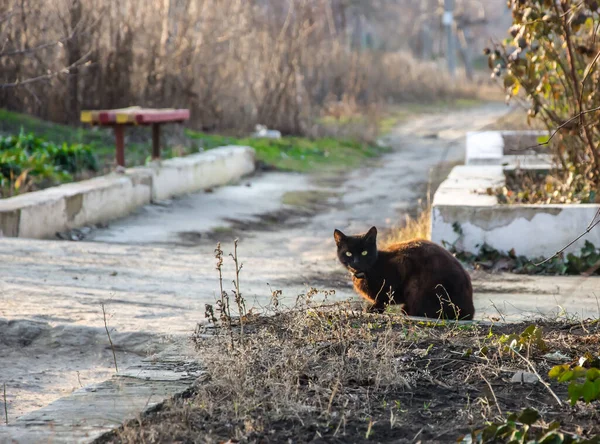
x,y
462,204
94,410
42,214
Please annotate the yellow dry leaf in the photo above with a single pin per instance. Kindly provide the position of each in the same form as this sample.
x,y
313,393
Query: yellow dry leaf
x,y
21,179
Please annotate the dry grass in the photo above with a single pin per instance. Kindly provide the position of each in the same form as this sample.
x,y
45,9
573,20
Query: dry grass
x,y
332,373
419,226
233,63
414,228
516,120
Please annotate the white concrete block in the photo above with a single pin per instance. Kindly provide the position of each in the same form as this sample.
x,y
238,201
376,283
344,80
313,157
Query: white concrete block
x,y
196,172
488,148
484,147
42,214
531,230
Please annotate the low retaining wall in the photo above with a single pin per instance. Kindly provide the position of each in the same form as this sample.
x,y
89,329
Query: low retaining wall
x,y
42,214
490,148
182,175
462,213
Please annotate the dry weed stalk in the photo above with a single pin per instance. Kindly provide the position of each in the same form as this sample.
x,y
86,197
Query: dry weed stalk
x,y
112,347
535,372
335,371
5,405
239,300
223,305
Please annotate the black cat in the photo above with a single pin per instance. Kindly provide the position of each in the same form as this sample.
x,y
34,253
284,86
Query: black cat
x,y
419,274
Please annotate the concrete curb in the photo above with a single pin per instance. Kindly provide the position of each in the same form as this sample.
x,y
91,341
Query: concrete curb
x,y
488,148
465,215
42,214
94,410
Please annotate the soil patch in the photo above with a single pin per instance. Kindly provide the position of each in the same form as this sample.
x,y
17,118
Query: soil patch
x,y
335,374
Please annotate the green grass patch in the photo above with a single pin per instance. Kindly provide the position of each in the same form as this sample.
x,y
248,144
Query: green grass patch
x,y
288,153
298,153
100,140
29,163
11,123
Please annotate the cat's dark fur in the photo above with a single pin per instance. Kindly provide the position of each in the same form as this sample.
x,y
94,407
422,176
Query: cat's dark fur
x,y
418,272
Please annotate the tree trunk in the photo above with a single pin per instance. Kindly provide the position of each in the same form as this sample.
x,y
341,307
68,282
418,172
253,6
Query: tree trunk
x,y
73,56
465,53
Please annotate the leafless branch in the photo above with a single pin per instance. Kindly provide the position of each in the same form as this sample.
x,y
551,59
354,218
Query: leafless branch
x,y
82,61
588,72
492,392
532,368
561,126
596,216
24,51
595,221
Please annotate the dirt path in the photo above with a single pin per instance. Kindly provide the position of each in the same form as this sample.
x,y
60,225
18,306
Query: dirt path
x,y
154,271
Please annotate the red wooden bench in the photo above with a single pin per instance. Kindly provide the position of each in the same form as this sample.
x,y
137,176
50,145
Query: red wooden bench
x,y
119,118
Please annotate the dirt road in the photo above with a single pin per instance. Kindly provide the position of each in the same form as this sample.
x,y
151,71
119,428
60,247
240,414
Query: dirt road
x,y
154,271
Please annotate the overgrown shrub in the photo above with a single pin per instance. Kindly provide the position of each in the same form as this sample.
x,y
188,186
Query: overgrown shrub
x,y
551,60
28,162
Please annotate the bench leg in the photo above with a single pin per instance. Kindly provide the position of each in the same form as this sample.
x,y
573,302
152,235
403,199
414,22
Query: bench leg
x,y
120,143
155,141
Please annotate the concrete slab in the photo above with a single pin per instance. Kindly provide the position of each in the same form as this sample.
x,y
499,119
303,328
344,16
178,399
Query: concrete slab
x,y
91,411
181,175
42,214
462,200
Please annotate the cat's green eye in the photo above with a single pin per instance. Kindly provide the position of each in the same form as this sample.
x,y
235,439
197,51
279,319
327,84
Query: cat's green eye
x,y
348,254
364,253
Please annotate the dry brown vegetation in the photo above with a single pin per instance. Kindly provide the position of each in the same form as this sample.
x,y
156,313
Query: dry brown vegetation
x,y
234,63
331,373
418,225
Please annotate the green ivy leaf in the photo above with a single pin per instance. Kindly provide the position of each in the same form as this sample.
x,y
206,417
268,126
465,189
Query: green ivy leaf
x,y
529,416
575,391
588,391
579,372
592,374
567,376
552,437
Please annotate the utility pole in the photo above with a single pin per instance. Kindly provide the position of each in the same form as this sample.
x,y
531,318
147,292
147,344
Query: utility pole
x,y
448,22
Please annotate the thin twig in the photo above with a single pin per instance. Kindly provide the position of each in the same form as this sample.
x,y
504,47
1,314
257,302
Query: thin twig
x,y
25,51
5,405
492,391
588,72
48,76
597,215
223,302
238,295
588,229
532,367
112,347
561,126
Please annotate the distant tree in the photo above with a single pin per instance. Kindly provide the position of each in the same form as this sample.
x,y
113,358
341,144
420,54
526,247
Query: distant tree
x,y
20,60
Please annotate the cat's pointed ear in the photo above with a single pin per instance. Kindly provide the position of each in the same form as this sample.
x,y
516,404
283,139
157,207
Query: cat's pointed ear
x,y
338,236
371,235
